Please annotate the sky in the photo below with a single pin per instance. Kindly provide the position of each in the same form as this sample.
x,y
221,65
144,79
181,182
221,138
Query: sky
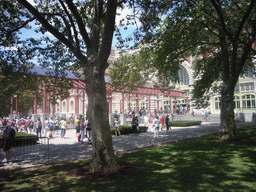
x,y
123,13
29,33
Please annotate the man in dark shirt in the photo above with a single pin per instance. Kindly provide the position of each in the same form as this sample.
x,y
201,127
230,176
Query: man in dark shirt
x,y
7,141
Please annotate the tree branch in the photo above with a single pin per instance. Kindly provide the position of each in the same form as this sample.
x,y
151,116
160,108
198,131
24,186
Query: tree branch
x,y
108,31
95,29
247,14
247,49
72,24
81,26
46,24
221,18
17,29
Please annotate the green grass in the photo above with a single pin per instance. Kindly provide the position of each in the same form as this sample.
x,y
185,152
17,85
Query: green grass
x,y
202,164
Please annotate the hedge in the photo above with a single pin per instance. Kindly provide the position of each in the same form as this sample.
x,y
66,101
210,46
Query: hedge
x,y
185,123
126,129
23,139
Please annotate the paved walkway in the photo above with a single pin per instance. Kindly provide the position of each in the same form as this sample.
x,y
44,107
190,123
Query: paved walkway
x,y
69,149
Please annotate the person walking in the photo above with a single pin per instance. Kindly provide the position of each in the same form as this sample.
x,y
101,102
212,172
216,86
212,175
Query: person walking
x,y
63,126
156,125
88,129
116,126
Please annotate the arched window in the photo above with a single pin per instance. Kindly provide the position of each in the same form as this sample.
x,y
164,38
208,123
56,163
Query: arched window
x,y
183,75
58,107
64,106
72,106
248,101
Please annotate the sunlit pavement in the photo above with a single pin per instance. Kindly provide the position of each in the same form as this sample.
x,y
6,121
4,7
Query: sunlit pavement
x,y
69,149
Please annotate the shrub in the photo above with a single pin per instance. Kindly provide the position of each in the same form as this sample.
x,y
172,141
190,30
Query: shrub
x,y
23,139
185,123
126,129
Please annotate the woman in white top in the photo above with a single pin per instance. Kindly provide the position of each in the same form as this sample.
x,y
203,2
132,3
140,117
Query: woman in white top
x,y
116,125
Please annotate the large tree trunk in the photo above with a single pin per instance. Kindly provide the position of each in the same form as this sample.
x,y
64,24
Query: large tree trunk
x,y
103,152
227,113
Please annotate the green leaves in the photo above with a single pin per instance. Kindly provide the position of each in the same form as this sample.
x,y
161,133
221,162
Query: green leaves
x,y
131,72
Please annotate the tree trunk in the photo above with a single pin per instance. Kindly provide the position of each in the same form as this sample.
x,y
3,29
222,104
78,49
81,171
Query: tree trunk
x,y
97,113
227,113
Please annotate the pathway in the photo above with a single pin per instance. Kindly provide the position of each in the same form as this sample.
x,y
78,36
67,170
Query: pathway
x,y
69,149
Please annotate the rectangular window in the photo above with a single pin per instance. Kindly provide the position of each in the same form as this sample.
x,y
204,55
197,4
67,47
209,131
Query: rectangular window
x,y
247,86
216,105
238,104
253,103
237,88
244,104
248,104
242,87
252,86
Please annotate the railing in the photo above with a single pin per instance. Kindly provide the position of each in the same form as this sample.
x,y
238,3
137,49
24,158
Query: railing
x,y
26,151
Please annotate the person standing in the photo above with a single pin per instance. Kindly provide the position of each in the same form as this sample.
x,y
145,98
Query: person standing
x,y
56,126
46,128
39,128
162,123
1,125
82,132
167,122
50,125
13,125
116,126
8,135
134,125
22,125
29,125
156,125
77,126
146,120
63,126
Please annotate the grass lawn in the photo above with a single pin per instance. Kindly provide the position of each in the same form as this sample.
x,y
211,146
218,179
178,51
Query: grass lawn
x,y
202,164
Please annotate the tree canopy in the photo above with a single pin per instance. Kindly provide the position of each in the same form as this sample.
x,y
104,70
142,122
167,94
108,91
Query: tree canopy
x,y
220,35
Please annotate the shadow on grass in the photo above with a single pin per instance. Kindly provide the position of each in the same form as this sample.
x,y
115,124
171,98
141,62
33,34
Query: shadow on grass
x,y
202,164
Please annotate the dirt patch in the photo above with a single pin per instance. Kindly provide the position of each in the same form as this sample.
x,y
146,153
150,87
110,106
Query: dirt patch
x,y
125,168
241,140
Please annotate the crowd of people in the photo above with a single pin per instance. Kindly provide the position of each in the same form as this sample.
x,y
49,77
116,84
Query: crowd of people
x,y
46,128
27,125
49,127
